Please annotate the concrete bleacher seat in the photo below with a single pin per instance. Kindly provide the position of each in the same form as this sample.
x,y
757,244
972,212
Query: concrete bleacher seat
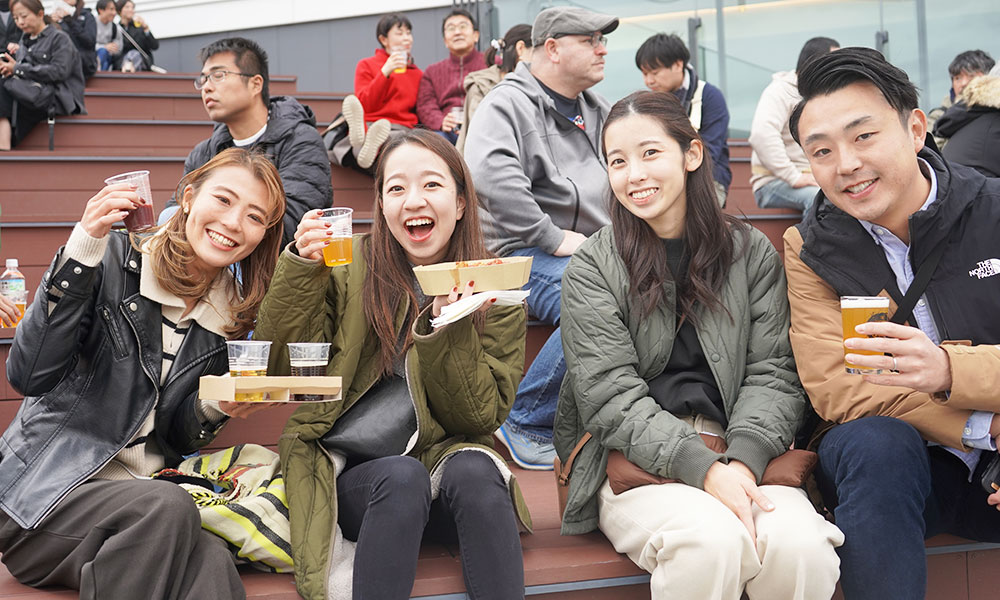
x,y
149,121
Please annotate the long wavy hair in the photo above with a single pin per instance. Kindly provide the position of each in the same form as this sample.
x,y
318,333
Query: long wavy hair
x,y
171,255
390,276
708,232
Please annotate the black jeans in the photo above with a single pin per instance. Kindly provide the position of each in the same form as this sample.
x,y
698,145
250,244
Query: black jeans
x,y
385,505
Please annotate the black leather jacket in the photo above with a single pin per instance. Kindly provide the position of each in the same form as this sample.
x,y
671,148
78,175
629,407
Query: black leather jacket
x,y
90,373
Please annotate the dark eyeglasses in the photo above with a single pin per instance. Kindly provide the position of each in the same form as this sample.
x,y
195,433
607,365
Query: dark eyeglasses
x,y
216,77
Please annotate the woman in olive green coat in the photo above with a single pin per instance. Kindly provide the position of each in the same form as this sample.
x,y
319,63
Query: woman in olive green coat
x,y
461,380
675,324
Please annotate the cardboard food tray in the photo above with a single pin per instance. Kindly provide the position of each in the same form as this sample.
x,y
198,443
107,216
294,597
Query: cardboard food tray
x,y
511,274
278,389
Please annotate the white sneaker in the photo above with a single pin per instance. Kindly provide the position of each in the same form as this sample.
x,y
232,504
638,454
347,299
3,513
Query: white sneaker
x,y
354,114
377,134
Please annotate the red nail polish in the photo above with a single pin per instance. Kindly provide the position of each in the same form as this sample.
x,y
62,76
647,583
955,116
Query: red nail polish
x,y
493,299
472,284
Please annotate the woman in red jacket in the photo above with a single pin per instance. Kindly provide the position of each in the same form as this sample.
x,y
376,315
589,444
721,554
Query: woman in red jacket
x,y
385,93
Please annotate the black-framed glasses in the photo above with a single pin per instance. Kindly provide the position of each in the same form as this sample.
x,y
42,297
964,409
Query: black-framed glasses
x,y
216,77
594,39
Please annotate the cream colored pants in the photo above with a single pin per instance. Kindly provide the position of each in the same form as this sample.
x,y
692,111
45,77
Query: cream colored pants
x,y
696,549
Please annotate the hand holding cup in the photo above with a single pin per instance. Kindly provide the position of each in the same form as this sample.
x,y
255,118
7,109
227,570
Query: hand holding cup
x,y
112,204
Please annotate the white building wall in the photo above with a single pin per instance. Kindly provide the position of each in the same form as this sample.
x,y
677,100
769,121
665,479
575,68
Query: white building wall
x,y
177,18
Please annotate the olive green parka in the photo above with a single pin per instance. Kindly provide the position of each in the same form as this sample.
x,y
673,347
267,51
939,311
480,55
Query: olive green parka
x,y
612,352
462,383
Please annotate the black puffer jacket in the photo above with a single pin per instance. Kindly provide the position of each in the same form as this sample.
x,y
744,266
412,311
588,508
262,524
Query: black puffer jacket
x,y
90,373
52,58
296,149
83,31
973,127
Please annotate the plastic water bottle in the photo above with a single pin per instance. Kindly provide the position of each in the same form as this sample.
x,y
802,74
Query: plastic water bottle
x,y
12,287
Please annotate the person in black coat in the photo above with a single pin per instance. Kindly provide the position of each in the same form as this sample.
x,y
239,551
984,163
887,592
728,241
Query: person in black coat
x,y
45,57
9,33
136,56
82,29
973,127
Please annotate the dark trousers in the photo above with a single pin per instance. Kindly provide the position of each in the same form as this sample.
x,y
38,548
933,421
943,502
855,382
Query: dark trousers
x,y
123,539
22,117
889,491
385,506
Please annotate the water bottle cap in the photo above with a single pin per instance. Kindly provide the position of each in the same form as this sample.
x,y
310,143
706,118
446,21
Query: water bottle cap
x,y
11,263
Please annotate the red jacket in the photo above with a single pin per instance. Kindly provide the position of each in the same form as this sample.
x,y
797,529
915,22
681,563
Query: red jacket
x,y
393,97
442,87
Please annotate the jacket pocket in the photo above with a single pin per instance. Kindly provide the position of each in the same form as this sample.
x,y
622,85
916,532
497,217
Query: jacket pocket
x,y
114,335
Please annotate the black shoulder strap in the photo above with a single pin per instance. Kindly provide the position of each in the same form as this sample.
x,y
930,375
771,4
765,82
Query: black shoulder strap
x,y
920,281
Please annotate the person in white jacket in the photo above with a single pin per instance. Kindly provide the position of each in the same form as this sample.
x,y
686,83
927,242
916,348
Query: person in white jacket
x,y
780,175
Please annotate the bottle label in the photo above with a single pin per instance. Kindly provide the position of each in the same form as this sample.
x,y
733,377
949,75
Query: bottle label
x,y
9,286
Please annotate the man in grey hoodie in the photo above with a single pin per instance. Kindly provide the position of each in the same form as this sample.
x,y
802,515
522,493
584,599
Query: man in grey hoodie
x,y
534,150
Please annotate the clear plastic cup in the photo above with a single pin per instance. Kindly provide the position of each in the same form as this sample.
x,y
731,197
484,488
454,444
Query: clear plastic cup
x,y
309,359
855,310
338,251
405,52
459,112
141,218
248,358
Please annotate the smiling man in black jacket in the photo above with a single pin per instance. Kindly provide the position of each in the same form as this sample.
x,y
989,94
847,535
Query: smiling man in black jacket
x,y
905,449
234,89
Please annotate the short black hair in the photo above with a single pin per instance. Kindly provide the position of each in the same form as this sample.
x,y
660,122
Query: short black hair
x,y
103,4
661,50
387,22
971,61
834,71
817,46
459,12
250,58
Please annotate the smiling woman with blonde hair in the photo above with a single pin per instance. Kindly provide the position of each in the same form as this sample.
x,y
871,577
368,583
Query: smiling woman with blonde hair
x,y
108,357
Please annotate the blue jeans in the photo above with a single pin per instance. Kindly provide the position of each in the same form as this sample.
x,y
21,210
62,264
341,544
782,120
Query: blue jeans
x,y
104,59
889,491
778,194
534,410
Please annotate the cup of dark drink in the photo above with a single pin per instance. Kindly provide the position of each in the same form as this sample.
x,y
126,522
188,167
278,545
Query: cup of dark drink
x,y
309,359
140,218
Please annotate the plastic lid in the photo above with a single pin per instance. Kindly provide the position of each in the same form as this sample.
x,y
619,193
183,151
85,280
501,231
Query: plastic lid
x,y
11,263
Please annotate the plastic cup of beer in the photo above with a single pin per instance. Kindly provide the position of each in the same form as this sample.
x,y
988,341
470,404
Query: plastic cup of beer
x,y
855,310
406,54
140,218
338,251
248,358
308,359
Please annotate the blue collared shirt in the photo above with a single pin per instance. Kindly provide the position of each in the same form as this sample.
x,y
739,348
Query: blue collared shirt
x,y
976,434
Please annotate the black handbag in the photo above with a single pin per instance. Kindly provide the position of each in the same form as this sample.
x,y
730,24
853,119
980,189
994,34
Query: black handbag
x,y
379,424
337,131
36,94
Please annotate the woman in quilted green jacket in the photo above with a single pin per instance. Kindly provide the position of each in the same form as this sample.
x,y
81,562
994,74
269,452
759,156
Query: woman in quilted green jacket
x,y
675,329
442,478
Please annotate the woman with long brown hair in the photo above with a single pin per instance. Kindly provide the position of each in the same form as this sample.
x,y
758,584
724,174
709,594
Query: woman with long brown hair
x,y
454,385
675,330
109,356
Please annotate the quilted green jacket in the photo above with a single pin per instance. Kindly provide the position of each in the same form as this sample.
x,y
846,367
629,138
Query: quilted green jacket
x,y
611,354
462,383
